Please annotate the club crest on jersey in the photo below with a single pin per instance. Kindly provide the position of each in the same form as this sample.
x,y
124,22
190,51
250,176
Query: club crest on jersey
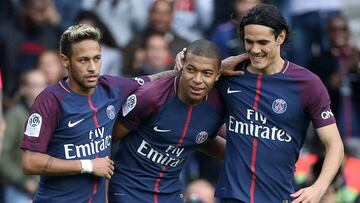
x,y
201,137
110,112
33,125
279,106
129,104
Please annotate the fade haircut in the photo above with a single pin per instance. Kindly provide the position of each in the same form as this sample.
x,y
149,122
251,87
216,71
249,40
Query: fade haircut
x,y
77,33
204,48
266,15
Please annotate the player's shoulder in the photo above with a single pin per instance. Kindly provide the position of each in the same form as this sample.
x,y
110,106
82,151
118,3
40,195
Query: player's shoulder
x,y
109,80
56,91
300,73
121,81
310,84
162,88
152,95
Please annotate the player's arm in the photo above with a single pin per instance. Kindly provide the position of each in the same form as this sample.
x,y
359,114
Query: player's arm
x,y
334,154
214,147
163,74
37,163
137,108
119,131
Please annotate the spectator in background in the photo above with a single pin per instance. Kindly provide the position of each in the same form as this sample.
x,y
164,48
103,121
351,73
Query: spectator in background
x,y
160,19
157,55
199,191
112,60
338,67
2,121
25,38
68,10
6,10
18,187
49,63
192,18
2,129
123,18
308,20
225,35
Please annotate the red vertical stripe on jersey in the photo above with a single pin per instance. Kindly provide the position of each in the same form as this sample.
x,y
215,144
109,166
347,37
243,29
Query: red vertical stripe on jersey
x,y
95,111
181,140
161,174
253,167
97,126
258,89
185,127
255,142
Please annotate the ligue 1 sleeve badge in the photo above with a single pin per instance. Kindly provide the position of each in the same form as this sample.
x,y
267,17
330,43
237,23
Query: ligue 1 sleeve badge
x,y
279,106
33,126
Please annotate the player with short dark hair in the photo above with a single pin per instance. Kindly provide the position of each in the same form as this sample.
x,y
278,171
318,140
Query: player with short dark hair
x,y
166,121
269,110
68,133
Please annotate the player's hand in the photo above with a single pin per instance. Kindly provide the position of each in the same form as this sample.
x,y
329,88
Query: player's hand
x,y
103,167
179,60
30,186
308,195
228,65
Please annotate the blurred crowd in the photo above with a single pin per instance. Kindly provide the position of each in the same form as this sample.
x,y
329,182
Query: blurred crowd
x,y
142,37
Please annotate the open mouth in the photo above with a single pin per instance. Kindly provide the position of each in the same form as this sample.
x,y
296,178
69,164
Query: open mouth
x,y
197,90
92,77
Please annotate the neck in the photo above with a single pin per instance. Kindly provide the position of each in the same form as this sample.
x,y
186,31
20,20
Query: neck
x,y
79,89
183,96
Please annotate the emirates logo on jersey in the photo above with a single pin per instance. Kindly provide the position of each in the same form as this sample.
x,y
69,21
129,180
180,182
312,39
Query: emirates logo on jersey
x,y
279,106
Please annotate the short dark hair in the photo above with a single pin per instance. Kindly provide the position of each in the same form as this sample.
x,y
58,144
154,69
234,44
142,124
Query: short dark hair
x,y
204,48
267,15
77,33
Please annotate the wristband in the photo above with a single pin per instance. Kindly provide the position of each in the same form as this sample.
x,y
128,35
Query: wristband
x,y
86,166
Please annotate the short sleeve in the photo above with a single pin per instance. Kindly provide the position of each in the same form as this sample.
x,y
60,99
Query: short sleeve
x,y
318,105
137,108
41,123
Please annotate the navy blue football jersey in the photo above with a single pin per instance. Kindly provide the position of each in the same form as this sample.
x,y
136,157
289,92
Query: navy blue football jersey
x,y
164,132
267,119
66,125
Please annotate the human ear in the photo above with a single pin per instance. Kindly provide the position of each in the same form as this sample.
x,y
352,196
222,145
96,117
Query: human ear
x,y
64,60
281,37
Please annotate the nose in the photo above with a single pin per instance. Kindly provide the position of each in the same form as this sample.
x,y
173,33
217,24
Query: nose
x,y
198,78
92,66
255,49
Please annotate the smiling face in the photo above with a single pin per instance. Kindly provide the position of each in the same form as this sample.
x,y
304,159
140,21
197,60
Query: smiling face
x,y
263,48
197,78
83,66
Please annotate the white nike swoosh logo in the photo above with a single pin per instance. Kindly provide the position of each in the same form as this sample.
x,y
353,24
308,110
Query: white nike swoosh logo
x,y
156,128
232,91
74,124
